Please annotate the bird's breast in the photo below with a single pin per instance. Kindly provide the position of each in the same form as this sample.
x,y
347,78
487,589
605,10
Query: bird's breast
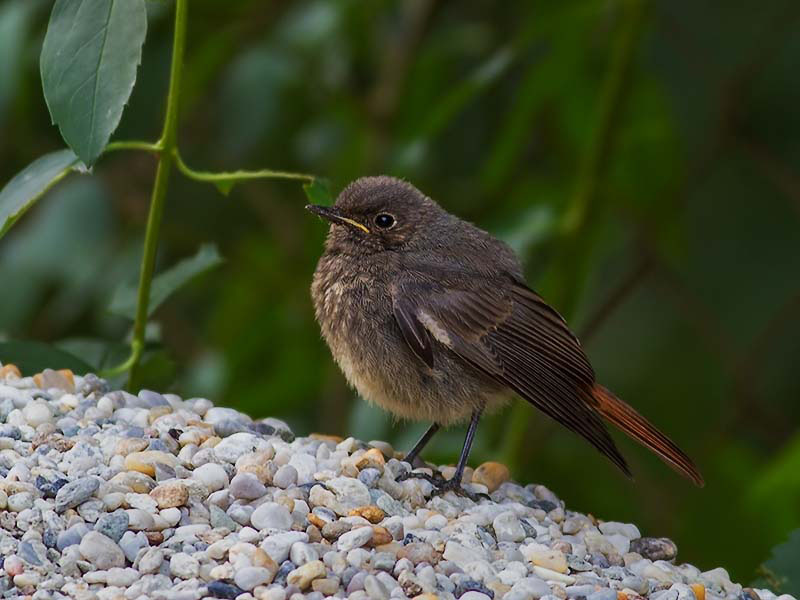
x,y
353,309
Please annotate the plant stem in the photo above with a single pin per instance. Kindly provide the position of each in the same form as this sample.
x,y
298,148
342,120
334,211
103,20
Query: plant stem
x,y
134,145
562,283
228,178
166,147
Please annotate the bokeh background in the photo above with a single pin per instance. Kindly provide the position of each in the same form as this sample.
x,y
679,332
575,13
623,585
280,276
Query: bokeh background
x,y
643,157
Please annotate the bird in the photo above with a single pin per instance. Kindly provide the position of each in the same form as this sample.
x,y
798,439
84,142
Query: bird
x,y
430,318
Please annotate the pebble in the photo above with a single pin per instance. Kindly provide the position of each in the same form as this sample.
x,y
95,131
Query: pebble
x,y
248,578
76,492
170,494
113,525
151,560
604,594
131,543
549,559
184,566
349,494
220,589
354,539
16,503
219,518
246,486
285,477
144,462
305,574
508,528
654,548
375,589
492,475
37,412
211,475
101,551
271,515
107,495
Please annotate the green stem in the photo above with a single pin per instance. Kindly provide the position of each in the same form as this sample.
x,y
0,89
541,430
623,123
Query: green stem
x,y
166,145
562,283
134,145
229,178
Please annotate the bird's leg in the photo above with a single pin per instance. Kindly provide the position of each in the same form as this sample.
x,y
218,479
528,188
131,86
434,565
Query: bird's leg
x,y
421,443
453,484
462,460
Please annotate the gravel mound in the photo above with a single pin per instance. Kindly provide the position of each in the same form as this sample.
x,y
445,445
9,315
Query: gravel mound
x,y
106,495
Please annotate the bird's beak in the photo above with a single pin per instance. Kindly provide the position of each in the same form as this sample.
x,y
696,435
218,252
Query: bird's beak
x,y
334,216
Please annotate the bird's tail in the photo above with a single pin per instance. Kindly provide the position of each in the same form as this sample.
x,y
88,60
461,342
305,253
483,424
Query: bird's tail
x,y
625,418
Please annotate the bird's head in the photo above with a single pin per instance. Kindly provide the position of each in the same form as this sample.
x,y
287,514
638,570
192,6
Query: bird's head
x,y
380,213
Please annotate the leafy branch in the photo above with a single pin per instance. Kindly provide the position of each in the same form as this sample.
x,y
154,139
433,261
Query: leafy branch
x,y
88,69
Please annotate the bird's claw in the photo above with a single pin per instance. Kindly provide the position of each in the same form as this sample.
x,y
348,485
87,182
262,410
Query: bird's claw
x,y
441,485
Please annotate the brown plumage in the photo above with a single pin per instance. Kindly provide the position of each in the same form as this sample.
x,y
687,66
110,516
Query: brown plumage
x,y
430,318
624,417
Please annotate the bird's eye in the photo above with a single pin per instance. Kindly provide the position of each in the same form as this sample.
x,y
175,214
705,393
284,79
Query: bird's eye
x,y
384,221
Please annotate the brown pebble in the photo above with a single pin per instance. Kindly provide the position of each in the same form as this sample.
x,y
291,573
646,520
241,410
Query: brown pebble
x,y
61,379
327,586
492,475
380,536
371,513
170,495
655,548
316,521
154,538
314,534
9,371
372,458
144,462
418,552
68,375
51,439
323,437
750,593
262,559
699,590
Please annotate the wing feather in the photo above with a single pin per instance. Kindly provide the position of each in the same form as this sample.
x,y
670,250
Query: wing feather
x,y
506,331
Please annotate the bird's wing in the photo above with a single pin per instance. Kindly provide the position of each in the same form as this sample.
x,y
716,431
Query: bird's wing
x,y
507,332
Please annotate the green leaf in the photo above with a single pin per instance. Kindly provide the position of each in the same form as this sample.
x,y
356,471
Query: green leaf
x,y
165,284
781,570
225,186
318,192
31,183
33,357
88,66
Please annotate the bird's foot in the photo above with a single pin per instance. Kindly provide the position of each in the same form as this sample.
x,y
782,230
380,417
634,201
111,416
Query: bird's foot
x,y
441,485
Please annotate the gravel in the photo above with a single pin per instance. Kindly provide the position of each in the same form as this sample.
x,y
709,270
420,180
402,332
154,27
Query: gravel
x,y
105,494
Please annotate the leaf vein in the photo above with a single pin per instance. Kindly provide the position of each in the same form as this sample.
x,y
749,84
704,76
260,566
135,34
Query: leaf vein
x,y
93,116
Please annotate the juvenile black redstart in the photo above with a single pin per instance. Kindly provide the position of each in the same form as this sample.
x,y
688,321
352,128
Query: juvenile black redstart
x,y
430,318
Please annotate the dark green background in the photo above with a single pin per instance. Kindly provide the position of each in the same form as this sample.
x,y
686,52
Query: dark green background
x,y
688,302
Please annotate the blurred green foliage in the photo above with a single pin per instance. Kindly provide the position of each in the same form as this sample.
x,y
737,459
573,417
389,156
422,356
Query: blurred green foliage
x,y
684,281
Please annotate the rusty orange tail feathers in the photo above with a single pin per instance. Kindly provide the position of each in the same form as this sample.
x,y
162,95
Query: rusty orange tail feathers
x,y
626,419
